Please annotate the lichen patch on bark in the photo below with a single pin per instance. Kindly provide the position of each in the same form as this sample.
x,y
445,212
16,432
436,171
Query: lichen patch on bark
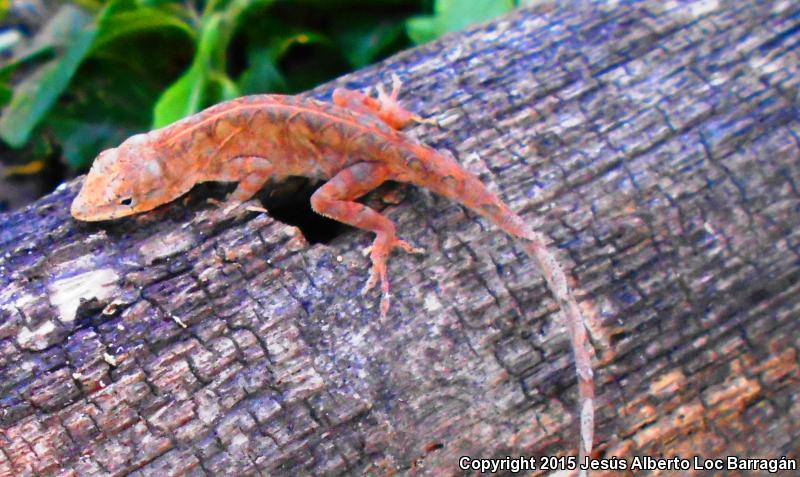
x,y
66,293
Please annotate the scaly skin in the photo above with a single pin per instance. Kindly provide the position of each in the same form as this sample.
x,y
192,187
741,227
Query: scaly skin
x,y
353,144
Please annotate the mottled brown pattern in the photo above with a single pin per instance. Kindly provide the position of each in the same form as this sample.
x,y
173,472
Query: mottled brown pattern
x,y
657,144
359,151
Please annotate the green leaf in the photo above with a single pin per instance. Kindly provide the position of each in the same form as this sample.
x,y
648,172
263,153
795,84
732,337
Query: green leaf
x,y
303,58
262,74
134,21
107,101
56,34
154,3
81,140
35,95
185,96
5,94
362,39
182,99
189,94
453,15
227,88
284,43
423,29
4,6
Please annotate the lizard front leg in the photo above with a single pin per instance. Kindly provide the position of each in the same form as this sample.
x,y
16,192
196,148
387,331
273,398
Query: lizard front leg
x,y
335,199
252,172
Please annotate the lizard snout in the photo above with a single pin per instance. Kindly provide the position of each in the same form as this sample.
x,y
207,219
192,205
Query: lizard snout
x,y
79,208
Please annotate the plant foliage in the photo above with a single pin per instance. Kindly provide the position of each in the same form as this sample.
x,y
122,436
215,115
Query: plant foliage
x,y
100,71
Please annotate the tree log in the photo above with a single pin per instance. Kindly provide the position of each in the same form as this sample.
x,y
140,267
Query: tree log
x,y
656,144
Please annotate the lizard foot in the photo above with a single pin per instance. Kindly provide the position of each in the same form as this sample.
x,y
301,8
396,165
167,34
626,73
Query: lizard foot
x,y
390,107
379,253
385,107
224,207
230,206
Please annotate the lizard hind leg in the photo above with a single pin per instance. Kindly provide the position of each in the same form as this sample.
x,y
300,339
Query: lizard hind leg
x,y
336,199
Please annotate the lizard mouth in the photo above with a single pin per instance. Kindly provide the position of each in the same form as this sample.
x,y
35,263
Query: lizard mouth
x,y
80,210
84,211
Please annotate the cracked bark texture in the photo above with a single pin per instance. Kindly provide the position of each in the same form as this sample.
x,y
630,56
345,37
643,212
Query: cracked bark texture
x,y
655,144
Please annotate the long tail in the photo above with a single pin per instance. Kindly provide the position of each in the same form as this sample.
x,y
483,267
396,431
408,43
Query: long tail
x,y
557,283
445,176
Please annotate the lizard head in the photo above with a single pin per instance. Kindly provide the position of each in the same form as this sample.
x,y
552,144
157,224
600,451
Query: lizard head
x,y
124,180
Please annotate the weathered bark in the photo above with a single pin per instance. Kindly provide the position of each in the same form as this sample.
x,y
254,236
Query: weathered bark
x,y
657,147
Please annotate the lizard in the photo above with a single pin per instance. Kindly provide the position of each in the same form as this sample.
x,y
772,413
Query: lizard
x,y
354,144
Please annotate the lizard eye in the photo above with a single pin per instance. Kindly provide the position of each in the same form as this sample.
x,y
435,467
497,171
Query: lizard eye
x,y
126,201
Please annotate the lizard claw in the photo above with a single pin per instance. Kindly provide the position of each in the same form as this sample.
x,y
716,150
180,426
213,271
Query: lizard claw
x,y
386,98
230,206
224,207
256,208
409,248
419,119
386,296
396,85
374,275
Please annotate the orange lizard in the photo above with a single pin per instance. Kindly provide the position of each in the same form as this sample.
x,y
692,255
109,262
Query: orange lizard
x,y
353,143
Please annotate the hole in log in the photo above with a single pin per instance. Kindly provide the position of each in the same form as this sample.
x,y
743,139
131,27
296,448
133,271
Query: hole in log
x,y
290,202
